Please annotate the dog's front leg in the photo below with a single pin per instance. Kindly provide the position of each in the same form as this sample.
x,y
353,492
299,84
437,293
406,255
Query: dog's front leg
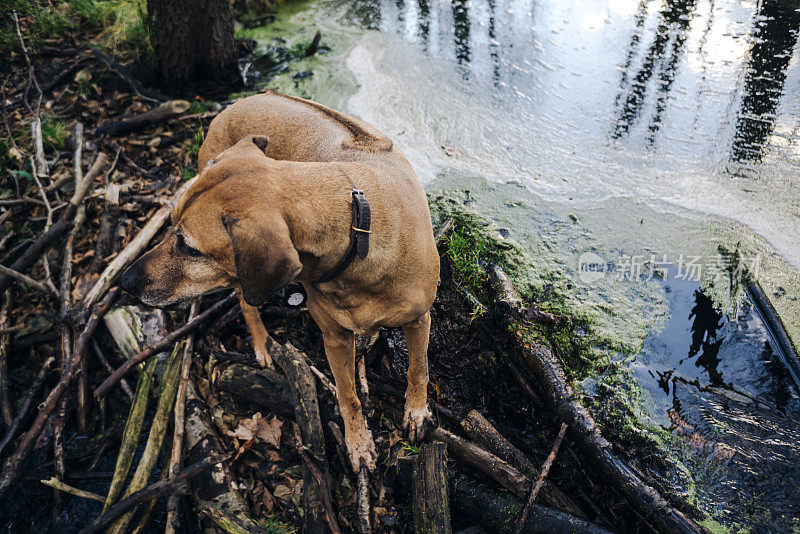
x,y
252,319
417,414
341,352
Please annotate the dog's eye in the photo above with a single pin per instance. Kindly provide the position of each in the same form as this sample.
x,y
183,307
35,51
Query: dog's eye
x,y
186,249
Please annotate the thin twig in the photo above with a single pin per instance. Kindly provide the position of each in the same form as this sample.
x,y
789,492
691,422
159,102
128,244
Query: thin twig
x,y
33,391
165,342
5,403
523,518
176,458
56,484
154,491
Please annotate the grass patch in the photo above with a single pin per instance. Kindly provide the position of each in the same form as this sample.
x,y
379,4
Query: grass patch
x,y
120,25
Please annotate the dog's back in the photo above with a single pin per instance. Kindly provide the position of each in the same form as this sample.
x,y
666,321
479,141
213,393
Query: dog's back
x,y
301,130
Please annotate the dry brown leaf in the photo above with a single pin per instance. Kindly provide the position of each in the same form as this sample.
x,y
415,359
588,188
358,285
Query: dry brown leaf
x,y
267,431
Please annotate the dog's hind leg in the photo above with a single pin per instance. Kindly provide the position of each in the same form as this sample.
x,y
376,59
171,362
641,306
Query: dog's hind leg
x,y
252,319
417,414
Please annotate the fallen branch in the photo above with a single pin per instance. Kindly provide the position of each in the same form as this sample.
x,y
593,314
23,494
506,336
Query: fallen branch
x,y
479,429
306,407
363,506
153,116
28,281
24,410
175,460
322,481
43,242
559,394
158,430
485,462
523,518
12,468
166,342
154,491
497,511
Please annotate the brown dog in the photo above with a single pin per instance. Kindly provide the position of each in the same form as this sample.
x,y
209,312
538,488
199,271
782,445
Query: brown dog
x,y
273,204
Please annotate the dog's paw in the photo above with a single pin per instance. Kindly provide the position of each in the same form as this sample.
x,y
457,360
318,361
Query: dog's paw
x,y
362,452
416,422
263,358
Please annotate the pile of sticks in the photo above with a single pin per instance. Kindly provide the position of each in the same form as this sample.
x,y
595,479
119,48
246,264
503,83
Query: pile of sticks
x,y
466,468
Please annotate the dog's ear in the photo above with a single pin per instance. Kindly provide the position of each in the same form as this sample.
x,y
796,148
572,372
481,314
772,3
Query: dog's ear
x,y
261,141
264,256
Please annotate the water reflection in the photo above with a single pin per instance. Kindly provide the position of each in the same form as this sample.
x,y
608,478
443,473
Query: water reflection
x,y
706,322
774,37
461,27
660,60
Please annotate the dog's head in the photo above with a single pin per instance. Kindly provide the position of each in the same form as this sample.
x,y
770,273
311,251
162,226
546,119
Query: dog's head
x,y
221,237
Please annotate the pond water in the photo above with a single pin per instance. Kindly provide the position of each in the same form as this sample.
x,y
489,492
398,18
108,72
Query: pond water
x,y
651,137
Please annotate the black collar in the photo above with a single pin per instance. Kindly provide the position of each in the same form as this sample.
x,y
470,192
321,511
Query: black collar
x,y
359,235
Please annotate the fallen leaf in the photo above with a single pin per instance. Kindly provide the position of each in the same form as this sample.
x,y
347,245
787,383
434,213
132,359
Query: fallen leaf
x,y
259,427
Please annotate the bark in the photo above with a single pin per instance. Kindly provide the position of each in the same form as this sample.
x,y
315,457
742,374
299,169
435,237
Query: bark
x,y
430,492
216,487
193,40
263,387
306,407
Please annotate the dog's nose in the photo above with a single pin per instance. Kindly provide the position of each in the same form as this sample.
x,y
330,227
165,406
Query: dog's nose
x,y
130,278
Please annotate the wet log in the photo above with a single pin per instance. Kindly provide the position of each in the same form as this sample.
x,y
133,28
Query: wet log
x,y
483,461
430,492
263,387
216,488
44,241
156,115
559,394
497,512
322,481
479,429
306,407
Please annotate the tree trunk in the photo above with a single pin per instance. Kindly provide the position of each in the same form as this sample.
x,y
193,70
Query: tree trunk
x,y
192,41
